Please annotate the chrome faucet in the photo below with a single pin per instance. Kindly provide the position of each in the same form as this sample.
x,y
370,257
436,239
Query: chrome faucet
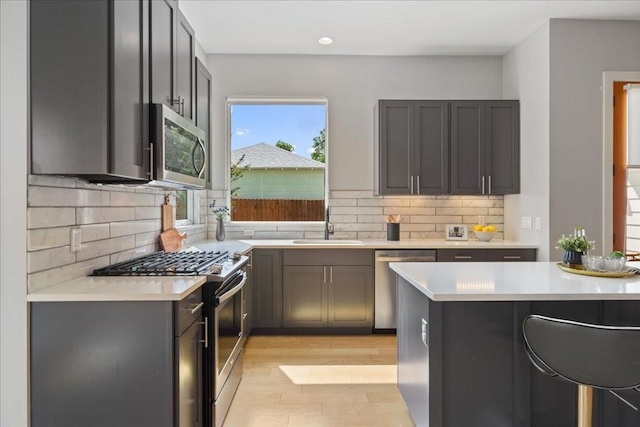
x,y
328,227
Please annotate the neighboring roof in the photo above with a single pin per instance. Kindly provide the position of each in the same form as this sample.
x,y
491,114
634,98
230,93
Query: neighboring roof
x,y
265,156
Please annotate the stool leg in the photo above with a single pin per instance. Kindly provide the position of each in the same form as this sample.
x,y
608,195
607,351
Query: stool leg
x,y
585,405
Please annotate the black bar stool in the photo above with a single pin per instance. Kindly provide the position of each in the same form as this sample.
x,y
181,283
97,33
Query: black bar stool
x,y
604,357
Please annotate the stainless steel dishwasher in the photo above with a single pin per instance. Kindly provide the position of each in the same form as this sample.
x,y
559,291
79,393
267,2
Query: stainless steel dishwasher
x,y
385,282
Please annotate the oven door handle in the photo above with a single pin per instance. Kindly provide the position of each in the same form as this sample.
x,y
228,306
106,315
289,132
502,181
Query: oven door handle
x,y
231,292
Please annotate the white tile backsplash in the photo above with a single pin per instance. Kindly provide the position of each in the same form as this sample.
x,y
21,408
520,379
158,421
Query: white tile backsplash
x,y
48,196
50,217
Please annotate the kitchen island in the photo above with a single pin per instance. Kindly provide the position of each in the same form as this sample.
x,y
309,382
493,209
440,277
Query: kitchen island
x,y
461,357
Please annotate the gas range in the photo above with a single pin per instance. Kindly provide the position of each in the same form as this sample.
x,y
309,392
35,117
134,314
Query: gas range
x,y
216,265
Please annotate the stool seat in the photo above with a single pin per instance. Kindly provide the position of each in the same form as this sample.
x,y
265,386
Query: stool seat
x,y
604,357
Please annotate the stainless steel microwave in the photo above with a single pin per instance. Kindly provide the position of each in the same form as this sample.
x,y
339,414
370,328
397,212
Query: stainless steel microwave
x,y
180,147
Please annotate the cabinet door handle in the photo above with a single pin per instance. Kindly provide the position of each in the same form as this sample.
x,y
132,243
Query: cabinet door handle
x,y
411,184
418,184
512,257
250,263
462,257
206,332
482,184
331,274
324,274
489,184
151,166
196,308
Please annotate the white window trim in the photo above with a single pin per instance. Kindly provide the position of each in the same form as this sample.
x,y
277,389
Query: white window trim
x,y
275,100
193,212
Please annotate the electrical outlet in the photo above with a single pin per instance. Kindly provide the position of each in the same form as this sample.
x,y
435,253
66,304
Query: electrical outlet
x,y
526,222
249,233
76,239
481,220
424,332
537,223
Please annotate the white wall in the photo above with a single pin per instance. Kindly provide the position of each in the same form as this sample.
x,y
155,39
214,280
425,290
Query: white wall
x,y
580,51
353,85
526,77
13,214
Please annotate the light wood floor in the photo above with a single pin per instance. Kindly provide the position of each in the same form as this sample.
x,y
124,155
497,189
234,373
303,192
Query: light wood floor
x,y
319,381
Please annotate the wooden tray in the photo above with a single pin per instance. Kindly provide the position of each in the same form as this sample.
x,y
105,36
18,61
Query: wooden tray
x,y
625,273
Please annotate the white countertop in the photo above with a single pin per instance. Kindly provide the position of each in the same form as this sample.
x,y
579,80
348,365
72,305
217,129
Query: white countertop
x,y
512,281
155,288
389,244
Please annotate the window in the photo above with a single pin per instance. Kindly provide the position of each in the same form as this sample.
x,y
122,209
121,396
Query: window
x,y
187,208
278,169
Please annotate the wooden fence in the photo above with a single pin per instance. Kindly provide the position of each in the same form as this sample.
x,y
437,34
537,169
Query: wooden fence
x,y
277,210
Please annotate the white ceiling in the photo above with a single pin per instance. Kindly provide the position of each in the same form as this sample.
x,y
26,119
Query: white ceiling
x,y
382,27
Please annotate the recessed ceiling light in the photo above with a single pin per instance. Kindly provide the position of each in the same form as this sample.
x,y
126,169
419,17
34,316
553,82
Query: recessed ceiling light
x,y
325,40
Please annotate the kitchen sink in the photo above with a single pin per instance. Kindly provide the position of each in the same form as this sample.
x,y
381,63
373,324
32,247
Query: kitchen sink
x,y
327,242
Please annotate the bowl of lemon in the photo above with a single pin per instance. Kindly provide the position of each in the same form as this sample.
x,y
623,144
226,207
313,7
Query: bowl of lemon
x,y
484,233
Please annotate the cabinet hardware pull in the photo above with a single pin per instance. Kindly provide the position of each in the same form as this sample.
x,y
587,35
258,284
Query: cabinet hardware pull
x,y
418,183
196,308
150,149
250,263
244,315
411,184
512,257
482,184
489,184
182,106
324,274
463,257
331,274
206,332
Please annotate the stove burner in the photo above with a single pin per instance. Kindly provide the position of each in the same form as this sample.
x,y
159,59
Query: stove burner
x,y
166,264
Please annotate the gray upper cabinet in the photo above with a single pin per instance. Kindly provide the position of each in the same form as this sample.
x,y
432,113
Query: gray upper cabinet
x,y
203,105
89,74
172,58
413,147
485,147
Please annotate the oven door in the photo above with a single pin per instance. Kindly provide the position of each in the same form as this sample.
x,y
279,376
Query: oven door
x,y
228,329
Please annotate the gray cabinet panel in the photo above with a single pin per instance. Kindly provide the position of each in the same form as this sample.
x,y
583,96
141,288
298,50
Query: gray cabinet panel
x,y
163,25
396,146
189,386
267,288
461,255
130,78
185,66
90,89
203,107
102,364
467,147
328,257
305,296
350,298
503,147
69,65
431,147
248,295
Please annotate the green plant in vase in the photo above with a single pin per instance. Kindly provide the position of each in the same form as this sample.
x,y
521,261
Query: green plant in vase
x,y
574,247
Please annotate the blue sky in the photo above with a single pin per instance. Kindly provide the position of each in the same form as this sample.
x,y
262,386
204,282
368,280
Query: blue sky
x,y
295,124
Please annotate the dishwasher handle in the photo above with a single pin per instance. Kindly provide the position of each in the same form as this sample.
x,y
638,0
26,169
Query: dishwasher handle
x,y
406,259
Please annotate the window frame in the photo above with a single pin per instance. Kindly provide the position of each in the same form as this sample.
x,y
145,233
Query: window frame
x,y
193,211
241,100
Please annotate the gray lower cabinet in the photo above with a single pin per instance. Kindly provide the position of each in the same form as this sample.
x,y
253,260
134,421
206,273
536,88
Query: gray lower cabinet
x,y
267,288
485,147
480,255
89,89
124,363
328,288
413,151
248,295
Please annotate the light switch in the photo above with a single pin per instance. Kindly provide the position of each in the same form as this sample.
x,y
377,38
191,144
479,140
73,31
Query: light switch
x,y
526,222
537,223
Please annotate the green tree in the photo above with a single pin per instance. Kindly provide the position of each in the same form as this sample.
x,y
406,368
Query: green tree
x,y
319,147
285,146
236,173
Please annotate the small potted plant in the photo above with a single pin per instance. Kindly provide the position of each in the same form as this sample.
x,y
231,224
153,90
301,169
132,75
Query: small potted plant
x,y
220,212
574,247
